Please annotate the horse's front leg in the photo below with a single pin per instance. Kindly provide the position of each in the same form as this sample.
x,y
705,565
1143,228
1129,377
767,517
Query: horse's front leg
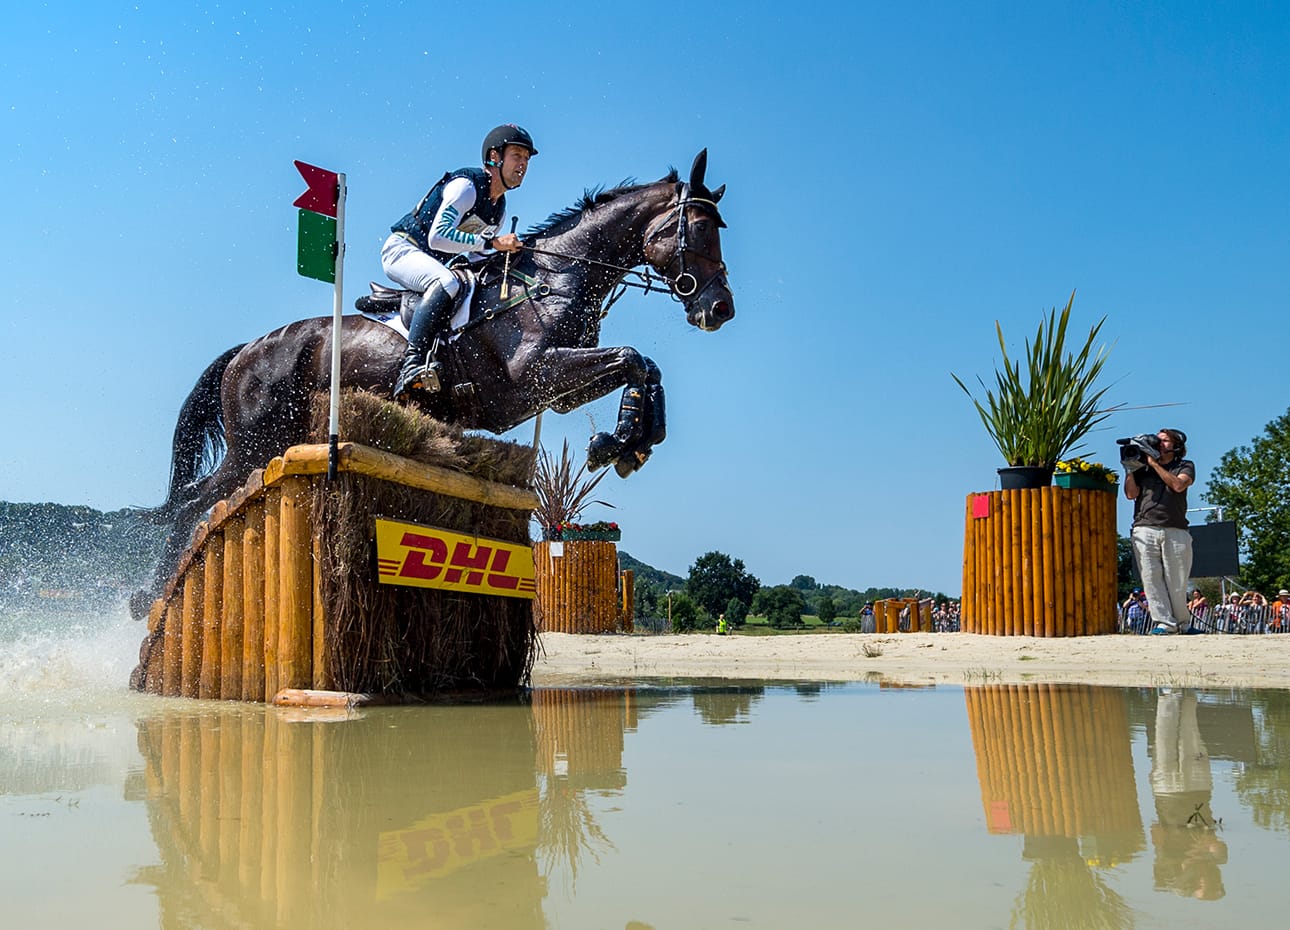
x,y
573,377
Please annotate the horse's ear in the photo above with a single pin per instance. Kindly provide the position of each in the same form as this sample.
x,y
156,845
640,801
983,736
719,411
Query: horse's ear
x,y
699,169
716,194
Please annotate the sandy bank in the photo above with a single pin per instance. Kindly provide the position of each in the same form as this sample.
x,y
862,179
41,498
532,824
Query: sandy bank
x,y
922,658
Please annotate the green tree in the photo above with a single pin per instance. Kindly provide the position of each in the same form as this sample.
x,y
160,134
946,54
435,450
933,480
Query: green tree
x,y
781,606
715,578
803,583
1126,572
736,612
685,613
1252,485
827,611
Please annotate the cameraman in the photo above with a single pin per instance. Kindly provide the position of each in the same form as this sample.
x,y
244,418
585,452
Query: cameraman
x,y
1156,480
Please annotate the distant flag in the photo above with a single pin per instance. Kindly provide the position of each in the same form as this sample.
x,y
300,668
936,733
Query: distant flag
x,y
320,254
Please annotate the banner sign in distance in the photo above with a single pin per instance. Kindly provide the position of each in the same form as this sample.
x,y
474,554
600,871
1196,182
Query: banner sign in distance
x,y
429,557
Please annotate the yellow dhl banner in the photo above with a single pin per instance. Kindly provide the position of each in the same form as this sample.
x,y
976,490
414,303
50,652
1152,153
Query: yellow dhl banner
x,y
443,843
429,557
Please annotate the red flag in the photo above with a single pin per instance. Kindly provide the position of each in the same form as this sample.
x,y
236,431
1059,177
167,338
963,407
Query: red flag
x,y
324,190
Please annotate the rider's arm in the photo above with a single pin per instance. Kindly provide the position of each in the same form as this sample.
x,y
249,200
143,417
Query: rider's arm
x,y
458,198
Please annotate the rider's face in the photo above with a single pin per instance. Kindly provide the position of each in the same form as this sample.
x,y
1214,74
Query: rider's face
x,y
515,164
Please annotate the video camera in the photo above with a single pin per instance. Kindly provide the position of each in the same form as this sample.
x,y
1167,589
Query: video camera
x,y
1134,450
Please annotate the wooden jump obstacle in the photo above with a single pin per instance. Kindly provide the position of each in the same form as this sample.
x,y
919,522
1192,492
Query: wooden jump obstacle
x,y
280,590
886,615
1040,562
577,588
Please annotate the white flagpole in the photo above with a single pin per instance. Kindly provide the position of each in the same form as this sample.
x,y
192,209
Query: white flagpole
x,y
333,423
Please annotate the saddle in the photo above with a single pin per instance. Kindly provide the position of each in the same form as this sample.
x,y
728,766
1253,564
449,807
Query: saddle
x,y
386,303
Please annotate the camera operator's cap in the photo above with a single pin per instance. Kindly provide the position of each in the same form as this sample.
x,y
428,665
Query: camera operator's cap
x,y
1181,435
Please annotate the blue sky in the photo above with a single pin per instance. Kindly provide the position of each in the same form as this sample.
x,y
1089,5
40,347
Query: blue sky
x,y
899,176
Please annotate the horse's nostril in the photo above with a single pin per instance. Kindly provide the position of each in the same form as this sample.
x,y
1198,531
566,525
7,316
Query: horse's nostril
x,y
722,311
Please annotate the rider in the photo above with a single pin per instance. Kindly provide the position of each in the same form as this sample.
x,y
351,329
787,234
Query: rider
x,y
458,216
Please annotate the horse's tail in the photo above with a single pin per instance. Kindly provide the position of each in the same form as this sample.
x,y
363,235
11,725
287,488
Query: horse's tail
x,y
199,442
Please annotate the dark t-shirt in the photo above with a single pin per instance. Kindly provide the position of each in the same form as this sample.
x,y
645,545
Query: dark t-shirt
x,y
1157,504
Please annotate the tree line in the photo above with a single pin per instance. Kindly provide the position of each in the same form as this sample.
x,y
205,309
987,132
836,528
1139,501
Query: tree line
x,y
720,584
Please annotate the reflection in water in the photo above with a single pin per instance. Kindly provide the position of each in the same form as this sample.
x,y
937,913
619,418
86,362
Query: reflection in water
x,y
588,808
1054,763
325,819
268,822
579,749
1188,850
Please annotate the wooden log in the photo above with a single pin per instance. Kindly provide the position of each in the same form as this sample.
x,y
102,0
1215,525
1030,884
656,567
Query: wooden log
x,y
1049,500
272,588
1025,566
174,656
629,600
312,460
969,586
212,618
234,628
253,603
321,674
295,558
194,602
1037,560
308,697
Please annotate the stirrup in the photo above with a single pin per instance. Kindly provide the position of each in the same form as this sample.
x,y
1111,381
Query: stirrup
x,y
425,379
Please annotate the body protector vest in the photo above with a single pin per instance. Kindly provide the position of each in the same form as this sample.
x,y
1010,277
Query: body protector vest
x,y
481,219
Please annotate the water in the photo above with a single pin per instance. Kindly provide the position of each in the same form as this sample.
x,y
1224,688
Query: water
x,y
658,805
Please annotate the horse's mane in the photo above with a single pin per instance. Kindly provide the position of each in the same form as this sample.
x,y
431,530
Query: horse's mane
x,y
592,197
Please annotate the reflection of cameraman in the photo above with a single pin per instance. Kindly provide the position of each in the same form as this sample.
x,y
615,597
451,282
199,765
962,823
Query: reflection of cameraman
x,y
1156,478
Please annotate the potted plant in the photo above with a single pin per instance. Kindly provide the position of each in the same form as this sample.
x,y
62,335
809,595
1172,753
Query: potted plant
x,y
1038,416
563,494
1078,473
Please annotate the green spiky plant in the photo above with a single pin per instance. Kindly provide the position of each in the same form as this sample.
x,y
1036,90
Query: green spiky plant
x,y
563,492
1041,415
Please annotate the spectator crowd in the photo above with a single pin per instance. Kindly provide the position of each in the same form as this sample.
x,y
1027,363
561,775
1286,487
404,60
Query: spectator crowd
x,y
1239,612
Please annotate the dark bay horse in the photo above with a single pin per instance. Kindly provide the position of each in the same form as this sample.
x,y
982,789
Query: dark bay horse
x,y
537,349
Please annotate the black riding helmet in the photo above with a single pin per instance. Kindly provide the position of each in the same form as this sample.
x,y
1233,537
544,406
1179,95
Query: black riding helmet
x,y
502,136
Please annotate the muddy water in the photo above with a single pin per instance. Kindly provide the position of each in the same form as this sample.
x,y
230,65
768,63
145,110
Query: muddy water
x,y
685,805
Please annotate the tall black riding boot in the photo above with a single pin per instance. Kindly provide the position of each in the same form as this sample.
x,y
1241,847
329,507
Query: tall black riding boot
x,y
420,372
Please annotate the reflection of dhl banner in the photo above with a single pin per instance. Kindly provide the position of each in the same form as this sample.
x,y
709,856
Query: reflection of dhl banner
x,y
1056,760
443,843
427,557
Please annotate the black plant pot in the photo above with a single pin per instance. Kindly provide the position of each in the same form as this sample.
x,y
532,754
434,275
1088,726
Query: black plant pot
x,y
1024,477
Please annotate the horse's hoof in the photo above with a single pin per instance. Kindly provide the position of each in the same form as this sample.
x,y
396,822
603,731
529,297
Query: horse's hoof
x,y
628,464
602,450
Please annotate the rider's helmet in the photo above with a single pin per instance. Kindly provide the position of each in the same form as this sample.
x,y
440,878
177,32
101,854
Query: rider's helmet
x,y
502,136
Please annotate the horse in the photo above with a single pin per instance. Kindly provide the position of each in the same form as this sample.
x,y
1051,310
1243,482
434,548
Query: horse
x,y
534,349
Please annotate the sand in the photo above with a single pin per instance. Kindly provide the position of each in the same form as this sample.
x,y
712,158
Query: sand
x,y
1254,661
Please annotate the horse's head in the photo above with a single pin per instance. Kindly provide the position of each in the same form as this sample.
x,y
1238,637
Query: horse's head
x,y
683,244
